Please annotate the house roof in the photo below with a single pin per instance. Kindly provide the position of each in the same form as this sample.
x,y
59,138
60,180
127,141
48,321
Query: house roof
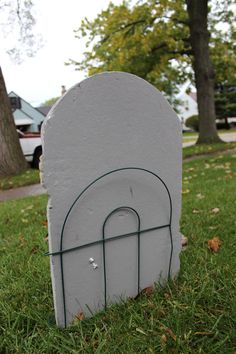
x,y
27,111
193,95
44,109
23,121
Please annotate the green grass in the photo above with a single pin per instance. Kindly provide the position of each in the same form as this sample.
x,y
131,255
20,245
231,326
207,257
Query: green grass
x,y
31,176
189,136
231,130
196,313
202,149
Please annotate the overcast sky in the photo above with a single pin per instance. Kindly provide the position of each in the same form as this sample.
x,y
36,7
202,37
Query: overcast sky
x,y
40,78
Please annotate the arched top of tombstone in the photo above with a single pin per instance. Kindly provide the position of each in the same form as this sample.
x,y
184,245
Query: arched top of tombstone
x,y
106,122
101,88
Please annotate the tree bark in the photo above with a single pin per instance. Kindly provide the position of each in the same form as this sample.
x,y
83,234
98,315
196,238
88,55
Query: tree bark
x,y
203,70
12,160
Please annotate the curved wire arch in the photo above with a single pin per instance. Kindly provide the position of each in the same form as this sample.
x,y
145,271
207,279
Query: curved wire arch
x,y
61,251
103,246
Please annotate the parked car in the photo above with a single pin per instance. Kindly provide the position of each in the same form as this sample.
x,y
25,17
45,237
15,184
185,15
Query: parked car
x,y
31,145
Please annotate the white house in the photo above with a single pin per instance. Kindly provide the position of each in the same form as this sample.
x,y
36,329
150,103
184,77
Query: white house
x,y
188,106
27,118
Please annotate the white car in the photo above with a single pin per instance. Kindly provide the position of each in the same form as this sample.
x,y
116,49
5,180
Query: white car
x,y
31,145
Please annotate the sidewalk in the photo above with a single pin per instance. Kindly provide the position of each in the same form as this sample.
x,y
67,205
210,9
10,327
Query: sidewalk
x,y
227,137
21,192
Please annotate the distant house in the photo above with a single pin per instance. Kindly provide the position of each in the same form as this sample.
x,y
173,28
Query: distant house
x,y
44,109
27,117
188,106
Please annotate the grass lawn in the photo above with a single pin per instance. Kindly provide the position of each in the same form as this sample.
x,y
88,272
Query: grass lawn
x,y
202,149
30,176
196,313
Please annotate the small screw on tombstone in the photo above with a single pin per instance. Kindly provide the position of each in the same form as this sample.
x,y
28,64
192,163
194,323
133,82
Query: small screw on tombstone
x,y
95,266
92,262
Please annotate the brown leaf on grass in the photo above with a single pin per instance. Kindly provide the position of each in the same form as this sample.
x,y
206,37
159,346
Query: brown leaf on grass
x,y
147,291
200,196
22,240
25,221
163,339
203,333
171,351
80,316
184,241
190,169
34,250
185,191
45,222
214,244
141,331
215,210
167,296
171,334
46,238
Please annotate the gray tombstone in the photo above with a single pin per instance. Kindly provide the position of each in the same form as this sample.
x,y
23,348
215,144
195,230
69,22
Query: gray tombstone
x,y
112,157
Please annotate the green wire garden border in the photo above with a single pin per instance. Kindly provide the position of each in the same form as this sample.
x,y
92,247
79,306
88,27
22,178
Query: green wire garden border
x,y
104,239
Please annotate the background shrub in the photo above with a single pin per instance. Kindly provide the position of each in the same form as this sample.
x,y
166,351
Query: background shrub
x,y
193,122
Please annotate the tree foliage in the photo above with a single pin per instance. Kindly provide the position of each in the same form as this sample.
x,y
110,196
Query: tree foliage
x,y
225,100
152,39
193,123
148,40
14,14
50,101
17,24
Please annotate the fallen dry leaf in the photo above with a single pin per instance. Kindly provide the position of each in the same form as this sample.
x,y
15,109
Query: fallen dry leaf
x,y
163,339
214,244
171,334
25,221
80,316
22,240
215,210
34,250
190,169
185,191
167,296
196,211
45,222
141,331
147,291
171,351
184,241
203,333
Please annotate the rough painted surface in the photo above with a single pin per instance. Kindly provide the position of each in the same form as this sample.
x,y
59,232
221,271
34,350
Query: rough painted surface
x,y
107,122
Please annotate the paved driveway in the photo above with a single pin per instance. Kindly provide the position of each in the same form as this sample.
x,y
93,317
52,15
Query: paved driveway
x,y
227,137
15,193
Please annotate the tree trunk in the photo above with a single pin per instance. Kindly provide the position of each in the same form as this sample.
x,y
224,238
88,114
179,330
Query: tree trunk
x,y
203,70
12,160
